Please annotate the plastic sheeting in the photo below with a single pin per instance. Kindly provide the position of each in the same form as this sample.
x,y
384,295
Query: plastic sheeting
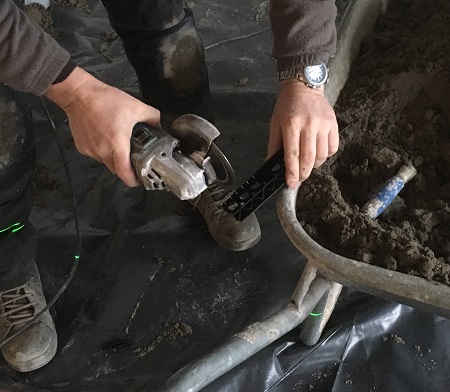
x,y
154,292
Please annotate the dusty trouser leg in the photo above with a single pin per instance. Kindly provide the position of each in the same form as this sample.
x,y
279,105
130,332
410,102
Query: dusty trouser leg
x,y
21,296
163,46
17,165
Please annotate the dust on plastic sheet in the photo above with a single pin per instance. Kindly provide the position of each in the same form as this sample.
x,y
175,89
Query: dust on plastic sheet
x,y
153,291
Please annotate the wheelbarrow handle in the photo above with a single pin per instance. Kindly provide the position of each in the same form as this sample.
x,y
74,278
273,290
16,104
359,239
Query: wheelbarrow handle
x,y
387,193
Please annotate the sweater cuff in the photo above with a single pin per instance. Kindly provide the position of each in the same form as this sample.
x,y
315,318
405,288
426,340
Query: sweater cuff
x,y
65,72
303,60
45,77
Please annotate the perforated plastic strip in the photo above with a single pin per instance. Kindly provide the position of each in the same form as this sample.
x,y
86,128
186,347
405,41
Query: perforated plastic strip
x,y
249,196
266,181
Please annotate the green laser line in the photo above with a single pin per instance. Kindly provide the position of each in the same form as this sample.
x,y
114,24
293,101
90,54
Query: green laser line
x,y
315,314
13,227
17,228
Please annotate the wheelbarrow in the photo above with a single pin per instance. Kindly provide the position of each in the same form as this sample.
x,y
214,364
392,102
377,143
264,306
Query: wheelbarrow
x,y
312,302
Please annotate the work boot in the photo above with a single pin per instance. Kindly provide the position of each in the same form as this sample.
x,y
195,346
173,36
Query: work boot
x,y
36,346
226,230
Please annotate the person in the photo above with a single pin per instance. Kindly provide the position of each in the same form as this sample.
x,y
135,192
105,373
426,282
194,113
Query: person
x,y
162,45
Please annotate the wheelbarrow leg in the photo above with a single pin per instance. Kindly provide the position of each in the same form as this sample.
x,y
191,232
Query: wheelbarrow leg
x,y
312,328
252,339
308,275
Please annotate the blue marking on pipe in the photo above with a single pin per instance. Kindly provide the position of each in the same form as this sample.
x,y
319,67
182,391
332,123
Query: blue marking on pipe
x,y
388,193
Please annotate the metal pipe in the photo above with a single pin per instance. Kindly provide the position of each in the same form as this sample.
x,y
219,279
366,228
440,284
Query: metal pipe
x,y
244,344
308,275
312,328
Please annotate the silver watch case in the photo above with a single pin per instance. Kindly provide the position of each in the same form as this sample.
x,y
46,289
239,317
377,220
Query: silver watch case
x,y
314,76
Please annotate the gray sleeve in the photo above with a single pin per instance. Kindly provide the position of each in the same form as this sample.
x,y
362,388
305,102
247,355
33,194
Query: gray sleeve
x,y
304,32
30,59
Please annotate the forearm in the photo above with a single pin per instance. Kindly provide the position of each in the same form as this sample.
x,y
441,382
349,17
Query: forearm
x,y
304,32
30,59
101,119
303,122
71,89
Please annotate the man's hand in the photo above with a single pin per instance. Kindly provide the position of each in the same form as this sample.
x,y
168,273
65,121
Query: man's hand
x,y
304,123
101,119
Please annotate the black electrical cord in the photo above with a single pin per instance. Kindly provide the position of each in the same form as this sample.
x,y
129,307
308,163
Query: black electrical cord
x,y
77,228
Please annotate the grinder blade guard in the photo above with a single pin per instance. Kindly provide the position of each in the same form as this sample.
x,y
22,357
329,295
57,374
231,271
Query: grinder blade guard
x,y
180,161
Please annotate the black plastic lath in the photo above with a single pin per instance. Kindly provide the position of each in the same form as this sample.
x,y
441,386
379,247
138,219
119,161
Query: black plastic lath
x,y
266,181
257,189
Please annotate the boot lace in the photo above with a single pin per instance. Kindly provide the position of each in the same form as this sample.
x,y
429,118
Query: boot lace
x,y
17,305
218,195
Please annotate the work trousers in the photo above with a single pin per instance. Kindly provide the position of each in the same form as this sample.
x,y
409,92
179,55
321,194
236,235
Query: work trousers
x,y
163,47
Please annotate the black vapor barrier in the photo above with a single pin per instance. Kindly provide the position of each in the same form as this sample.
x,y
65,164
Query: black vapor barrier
x,y
153,292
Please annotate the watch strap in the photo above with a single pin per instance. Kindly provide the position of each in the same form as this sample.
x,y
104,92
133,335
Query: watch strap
x,y
299,74
291,73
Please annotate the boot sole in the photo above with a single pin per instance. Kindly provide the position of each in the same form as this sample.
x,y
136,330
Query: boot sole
x,y
239,246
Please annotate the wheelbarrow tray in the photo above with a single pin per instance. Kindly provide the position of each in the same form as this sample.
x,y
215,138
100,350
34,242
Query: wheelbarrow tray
x,y
391,285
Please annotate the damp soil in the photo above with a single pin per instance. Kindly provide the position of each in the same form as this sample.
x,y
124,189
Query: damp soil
x,y
82,4
397,103
43,17
40,15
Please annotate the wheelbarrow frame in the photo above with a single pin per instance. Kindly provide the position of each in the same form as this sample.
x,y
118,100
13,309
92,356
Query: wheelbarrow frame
x,y
312,302
391,285
319,286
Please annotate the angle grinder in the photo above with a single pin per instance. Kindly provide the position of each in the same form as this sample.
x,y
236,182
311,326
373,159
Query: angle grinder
x,y
183,160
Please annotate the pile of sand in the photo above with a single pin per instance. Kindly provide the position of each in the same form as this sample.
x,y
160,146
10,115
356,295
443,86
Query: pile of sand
x,y
398,103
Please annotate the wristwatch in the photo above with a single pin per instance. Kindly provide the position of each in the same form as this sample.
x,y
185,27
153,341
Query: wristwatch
x,y
313,76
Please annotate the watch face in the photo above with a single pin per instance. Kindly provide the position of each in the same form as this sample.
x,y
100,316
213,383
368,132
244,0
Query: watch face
x,y
316,75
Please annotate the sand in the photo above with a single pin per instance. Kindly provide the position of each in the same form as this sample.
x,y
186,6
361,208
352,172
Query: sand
x,y
397,102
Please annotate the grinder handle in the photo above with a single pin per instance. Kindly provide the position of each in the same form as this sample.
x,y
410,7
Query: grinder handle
x,y
142,135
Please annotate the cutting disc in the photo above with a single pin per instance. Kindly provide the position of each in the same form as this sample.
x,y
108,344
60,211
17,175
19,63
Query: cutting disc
x,y
196,137
226,178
